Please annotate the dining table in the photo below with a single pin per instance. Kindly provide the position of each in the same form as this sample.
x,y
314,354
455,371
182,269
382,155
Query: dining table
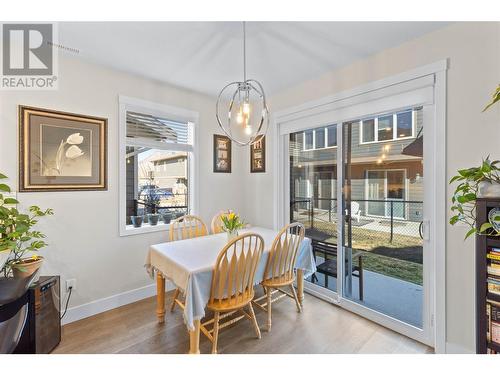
x,y
189,265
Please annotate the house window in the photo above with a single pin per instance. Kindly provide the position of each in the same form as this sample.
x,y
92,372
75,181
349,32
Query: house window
x,y
385,128
368,130
404,124
388,127
331,136
158,155
309,140
319,138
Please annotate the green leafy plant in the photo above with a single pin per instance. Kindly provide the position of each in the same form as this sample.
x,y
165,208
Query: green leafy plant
x,y
16,228
494,99
465,195
231,222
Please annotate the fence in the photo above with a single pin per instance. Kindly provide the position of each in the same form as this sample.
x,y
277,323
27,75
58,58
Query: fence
x,y
392,216
167,213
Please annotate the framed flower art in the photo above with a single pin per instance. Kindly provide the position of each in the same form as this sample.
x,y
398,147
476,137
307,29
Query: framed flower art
x,y
61,151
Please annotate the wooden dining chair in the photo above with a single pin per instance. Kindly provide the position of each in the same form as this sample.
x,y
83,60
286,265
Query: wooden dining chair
x,y
279,271
216,225
232,285
183,228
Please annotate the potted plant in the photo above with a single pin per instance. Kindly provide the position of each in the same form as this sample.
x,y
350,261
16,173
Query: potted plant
x,y
477,182
231,223
136,221
153,219
471,186
18,237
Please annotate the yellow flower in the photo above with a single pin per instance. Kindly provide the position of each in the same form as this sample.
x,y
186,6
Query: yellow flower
x,y
231,216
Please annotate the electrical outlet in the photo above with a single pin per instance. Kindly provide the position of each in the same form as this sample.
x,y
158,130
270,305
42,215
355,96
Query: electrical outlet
x,y
70,283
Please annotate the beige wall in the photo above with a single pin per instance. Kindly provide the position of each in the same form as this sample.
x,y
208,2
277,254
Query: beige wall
x,y
473,50
84,234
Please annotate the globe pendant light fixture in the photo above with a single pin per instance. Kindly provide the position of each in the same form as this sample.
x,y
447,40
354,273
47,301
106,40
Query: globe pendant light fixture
x,y
241,108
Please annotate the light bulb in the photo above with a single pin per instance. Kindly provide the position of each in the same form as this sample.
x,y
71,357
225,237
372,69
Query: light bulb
x,y
246,108
248,130
239,117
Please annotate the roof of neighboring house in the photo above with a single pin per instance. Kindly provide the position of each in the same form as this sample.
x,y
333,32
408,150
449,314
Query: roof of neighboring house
x,y
160,157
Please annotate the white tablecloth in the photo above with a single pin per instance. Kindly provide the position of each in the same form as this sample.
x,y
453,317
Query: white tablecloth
x,y
189,265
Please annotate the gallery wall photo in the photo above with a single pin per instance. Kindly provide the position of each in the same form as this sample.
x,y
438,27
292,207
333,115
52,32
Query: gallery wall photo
x,y
222,154
60,151
258,156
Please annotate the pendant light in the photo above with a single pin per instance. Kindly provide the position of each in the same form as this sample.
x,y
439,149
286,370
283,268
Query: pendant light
x,y
241,108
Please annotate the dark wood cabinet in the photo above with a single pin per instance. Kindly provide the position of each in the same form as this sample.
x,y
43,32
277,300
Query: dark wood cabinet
x,y
483,243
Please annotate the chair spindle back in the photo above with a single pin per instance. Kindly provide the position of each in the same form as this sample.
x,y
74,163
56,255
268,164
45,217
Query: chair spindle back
x,y
185,227
234,271
281,262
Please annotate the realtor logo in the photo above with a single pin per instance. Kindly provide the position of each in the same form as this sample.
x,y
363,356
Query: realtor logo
x,y
28,56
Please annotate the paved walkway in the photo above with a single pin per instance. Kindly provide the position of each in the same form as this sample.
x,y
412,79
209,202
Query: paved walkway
x,y
397,298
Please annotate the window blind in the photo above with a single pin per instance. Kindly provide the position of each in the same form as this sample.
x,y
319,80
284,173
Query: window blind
x,y
157,129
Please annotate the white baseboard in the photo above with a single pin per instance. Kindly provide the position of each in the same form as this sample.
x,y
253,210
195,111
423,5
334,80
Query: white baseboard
x,y
112,302
452,348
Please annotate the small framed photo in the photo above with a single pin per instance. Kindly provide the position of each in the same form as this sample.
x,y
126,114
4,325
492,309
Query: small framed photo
x,y
61,151
222,154
258,156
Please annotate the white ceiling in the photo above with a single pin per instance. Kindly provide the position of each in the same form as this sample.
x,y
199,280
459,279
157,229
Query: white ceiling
x,y
204,56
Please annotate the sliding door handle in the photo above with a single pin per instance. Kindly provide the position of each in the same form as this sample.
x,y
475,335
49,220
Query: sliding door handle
x,y
425,230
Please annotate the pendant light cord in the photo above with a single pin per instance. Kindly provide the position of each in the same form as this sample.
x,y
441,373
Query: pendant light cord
x,y
244,52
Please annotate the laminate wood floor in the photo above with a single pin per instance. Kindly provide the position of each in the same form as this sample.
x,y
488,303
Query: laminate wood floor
x,y
320,328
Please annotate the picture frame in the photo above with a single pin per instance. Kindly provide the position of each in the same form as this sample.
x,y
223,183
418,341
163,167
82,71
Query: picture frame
x,y
61,151
258,156
222,154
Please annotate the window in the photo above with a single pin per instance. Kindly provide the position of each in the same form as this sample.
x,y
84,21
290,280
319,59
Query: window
x,y
404,124
308,140
318,138
332,136
368,130
319,135
388,127
385,128
157,148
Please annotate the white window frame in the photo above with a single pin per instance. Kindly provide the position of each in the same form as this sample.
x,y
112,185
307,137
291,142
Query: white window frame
x,y
314,139
127,104
394,128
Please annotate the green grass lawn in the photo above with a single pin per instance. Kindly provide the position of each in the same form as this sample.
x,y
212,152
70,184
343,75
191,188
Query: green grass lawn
x,y
401,258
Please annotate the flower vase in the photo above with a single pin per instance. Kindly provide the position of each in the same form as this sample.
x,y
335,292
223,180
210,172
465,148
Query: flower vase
x,y
231,235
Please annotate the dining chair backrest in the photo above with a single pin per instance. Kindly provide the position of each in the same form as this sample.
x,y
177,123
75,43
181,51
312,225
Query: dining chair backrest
x,y
185,227
281,261
216,225
234,271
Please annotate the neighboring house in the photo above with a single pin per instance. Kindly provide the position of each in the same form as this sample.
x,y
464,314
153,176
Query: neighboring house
x,y
386,164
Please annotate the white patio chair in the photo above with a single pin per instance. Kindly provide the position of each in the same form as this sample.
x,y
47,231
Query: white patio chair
x,y
356,211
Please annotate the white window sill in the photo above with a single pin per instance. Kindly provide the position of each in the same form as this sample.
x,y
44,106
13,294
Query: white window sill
x,y
130,230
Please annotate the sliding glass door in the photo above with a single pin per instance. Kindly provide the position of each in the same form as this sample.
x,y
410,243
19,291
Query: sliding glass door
x,y
384,210
362,202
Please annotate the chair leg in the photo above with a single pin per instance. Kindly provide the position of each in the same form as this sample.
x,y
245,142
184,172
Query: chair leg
x,y
176,295
299,308
216,332
268,289
254,320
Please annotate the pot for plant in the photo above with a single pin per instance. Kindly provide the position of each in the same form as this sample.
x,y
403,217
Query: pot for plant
x,y
136,221
153,219
487,189
167,217
27,267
